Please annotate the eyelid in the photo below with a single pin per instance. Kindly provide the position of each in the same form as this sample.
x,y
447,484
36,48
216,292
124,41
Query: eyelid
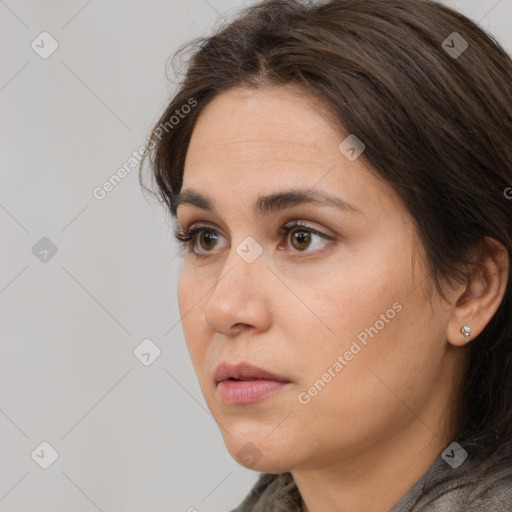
x,y
289,225
197,225
192,231
304,223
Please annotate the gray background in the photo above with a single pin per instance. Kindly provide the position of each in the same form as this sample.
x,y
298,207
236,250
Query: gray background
x,y
130,437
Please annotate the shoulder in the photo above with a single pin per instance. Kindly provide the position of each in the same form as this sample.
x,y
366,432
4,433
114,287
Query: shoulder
x,y
272,493
497,496
472,497
483,485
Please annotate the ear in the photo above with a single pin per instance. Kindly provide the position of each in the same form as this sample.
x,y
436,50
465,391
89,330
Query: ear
x,y
483,292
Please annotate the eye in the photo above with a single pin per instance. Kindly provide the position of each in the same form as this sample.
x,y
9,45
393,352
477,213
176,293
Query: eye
x,y
205,235
301,238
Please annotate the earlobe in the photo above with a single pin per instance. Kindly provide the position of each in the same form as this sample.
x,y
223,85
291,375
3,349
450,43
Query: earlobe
x,y
460,333
482,295
466,332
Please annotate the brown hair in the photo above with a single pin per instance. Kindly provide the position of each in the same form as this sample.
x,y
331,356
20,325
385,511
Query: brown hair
x,y
436,126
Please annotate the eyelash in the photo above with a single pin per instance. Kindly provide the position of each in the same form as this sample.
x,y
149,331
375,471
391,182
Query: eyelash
x,y
186,237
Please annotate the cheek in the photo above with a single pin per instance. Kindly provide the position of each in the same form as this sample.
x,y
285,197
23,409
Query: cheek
x,y
191,303
361,300
191,291
387,338
369,317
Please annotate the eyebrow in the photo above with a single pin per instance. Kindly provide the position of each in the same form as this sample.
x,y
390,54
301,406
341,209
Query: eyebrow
x,y
271,203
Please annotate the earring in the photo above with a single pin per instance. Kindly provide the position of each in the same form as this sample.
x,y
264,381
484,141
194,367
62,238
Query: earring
x,y
466,331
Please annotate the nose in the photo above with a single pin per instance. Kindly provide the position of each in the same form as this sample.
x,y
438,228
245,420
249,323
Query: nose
x,y
239,300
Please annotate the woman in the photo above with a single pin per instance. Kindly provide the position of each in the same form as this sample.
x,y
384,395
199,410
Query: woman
x,y
339,173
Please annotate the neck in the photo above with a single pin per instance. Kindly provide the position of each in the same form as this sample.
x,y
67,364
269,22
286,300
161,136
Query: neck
x,y
375,478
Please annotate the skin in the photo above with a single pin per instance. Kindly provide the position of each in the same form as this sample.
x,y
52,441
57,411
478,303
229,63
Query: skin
x,y
387,415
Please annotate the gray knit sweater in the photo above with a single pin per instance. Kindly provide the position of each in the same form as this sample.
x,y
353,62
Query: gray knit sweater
x,y
478,484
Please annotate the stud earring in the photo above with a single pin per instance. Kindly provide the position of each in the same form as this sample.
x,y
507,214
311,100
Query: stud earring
x,y
466,331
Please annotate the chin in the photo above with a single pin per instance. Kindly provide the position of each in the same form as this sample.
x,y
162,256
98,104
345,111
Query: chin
x,y
258,453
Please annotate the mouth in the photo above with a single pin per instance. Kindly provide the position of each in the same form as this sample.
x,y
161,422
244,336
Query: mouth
x,y
245,378
244,372
243,383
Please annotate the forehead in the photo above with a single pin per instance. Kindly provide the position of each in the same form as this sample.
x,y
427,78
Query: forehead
x,y
258,125
249,142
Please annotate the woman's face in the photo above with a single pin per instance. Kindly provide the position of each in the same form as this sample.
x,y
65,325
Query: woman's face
x,y
343,316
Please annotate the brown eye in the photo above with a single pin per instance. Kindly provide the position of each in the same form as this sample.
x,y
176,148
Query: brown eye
x,y
207,240
300,239
304,238
202,240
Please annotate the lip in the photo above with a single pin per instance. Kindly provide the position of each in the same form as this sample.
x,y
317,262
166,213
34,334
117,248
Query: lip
x,y
244,371
255,383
